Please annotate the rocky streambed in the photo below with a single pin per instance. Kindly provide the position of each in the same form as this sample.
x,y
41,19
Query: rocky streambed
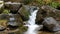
x,y
17,18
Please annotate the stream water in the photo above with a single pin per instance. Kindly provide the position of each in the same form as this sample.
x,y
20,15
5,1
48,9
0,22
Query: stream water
x,y
32,27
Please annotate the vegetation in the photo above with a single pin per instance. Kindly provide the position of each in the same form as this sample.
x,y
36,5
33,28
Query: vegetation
x,y
25,14
55,4
27,1
22,29
6,11
51,3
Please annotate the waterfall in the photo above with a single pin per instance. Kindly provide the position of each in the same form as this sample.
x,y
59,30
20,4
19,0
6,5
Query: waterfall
x,y
32,18
32,27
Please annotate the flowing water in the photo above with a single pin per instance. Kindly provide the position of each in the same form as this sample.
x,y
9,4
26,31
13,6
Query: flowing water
x,y
32,27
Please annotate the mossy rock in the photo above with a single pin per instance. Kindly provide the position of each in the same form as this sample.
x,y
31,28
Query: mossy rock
x,y
24,13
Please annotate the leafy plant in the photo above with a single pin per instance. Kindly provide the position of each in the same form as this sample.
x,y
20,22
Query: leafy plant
x,y
48,2
54,4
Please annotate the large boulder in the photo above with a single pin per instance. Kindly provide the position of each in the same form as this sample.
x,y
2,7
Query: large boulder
x,y
24,14
25,11
13,6
51,11
47,11
40,16
15,18
51,24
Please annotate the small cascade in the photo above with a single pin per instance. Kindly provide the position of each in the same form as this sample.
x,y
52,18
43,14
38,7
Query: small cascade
x,y
32,17
32,27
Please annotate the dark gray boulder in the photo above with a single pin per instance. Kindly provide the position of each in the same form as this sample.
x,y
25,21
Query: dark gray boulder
x,y
47,11
51,24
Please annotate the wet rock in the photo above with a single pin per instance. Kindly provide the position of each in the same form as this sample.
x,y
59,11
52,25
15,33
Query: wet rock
x,y
15,18
4,16
2,28
13,6
24,13
26,10
50,11
40,15
47,11
39,27
51,24
30,8
12,19
13,23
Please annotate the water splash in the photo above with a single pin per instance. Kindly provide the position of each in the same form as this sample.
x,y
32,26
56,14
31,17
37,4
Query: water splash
x,y
32,27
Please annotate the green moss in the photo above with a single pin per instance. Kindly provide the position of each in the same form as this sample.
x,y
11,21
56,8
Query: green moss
x,y
20,19
55,4
51,3
6,11
25,14
22,29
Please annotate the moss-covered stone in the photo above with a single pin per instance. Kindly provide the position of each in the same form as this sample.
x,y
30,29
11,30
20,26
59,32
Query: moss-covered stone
x,y
24,13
